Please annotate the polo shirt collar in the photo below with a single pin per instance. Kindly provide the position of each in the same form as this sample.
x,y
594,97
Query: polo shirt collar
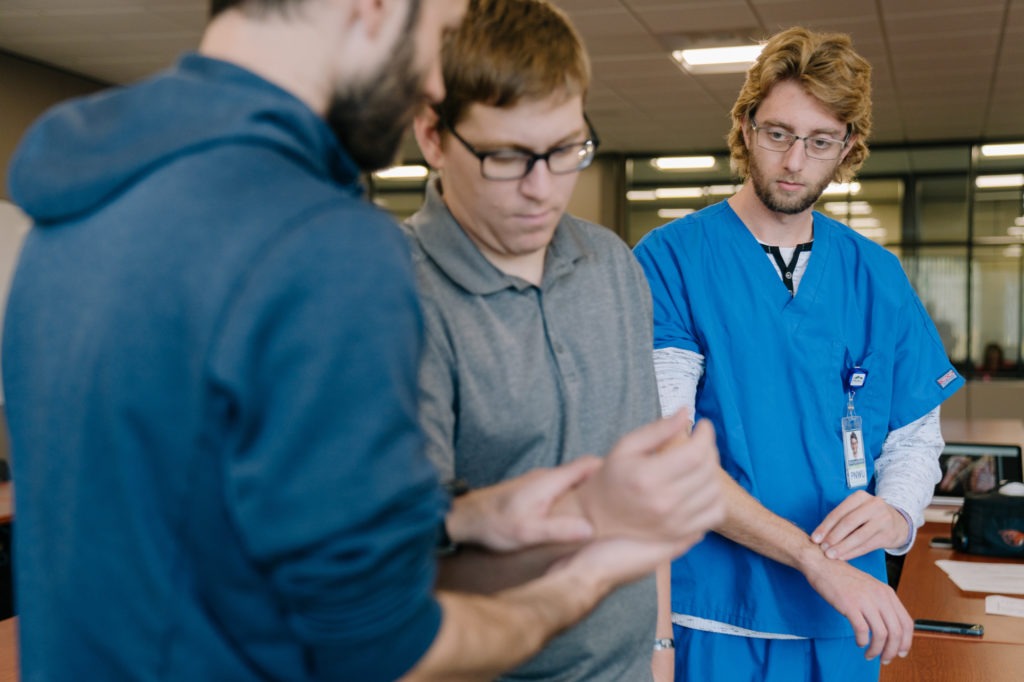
x,y
445,243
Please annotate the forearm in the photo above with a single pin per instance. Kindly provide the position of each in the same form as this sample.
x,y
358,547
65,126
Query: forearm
x,y
480,571
663,658
755,527
663,579
481,637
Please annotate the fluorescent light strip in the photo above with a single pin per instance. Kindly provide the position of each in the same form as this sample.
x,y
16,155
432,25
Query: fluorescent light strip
x,y
679,192
676,163
848,207
665,193
997,181
674,212
873,233
842,188
1015,149
641,195
718,56
402,173
865,223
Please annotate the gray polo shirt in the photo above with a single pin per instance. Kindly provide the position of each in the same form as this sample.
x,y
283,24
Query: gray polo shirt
x,y
516,376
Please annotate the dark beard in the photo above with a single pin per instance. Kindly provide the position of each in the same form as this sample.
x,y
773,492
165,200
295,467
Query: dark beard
x,y
370,119
778,205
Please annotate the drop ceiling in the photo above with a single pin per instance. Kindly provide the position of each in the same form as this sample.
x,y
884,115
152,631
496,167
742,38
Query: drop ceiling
x,y
943,69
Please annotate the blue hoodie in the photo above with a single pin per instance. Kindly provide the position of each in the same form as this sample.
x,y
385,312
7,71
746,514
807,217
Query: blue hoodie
x,y
210,361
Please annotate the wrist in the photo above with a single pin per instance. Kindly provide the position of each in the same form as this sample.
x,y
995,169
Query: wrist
x,y
902,541
459,525
572,504
664,644
809,558
588,501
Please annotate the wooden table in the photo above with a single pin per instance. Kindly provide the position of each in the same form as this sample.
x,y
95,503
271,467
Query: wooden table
x,y
6,504
927,592
933,659
9,650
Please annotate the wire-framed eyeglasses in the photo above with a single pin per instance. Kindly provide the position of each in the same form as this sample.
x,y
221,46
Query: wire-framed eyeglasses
x,y
514,164
780,140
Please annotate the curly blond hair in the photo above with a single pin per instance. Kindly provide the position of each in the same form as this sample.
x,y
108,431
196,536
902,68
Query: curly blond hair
x,y
827,68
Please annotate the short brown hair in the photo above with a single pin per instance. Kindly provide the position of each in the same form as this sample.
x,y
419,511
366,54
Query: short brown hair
x,y
826,66
507,51
266,6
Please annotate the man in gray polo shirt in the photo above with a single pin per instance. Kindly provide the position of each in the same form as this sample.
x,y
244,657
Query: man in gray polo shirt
x,y
539,325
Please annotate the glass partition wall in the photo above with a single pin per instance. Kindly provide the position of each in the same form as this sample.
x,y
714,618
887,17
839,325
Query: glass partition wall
x,y
952,213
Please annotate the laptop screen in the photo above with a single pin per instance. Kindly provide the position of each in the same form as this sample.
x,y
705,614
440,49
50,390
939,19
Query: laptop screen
x,y
975,468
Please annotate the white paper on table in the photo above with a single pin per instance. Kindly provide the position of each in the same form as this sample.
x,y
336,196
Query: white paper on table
x,y
993,578
998,605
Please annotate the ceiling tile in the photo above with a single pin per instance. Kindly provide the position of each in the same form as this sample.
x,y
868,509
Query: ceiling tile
x,y
954,69
951,23
700,19
797,12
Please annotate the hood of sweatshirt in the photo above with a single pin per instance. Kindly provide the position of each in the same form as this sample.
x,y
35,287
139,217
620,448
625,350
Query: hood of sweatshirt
x,y
81,154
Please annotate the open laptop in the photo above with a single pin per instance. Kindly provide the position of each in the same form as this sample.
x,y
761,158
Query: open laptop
x,y
971,468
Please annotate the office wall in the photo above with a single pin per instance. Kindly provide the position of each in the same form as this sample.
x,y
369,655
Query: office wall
x,y
599,194
13,226
996,399
26,90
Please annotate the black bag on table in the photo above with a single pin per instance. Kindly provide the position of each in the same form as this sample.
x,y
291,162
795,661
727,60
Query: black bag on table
x,y
990,524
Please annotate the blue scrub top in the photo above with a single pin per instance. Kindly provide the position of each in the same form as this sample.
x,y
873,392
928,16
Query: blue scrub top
x,y
774,387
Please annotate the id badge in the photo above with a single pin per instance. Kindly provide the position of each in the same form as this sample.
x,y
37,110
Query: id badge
x,y
853,453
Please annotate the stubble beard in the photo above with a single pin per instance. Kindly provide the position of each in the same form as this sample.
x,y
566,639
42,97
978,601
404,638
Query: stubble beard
x,y
370,119
785,203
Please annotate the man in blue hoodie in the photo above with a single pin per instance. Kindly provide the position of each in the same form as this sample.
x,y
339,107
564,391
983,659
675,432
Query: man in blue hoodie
x,y
211,351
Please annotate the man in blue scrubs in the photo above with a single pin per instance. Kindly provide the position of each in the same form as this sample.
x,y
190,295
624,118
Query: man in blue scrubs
x,y
795,335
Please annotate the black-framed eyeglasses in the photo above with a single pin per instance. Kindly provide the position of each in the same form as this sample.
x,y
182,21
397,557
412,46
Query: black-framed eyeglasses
x,y
815,146
513,164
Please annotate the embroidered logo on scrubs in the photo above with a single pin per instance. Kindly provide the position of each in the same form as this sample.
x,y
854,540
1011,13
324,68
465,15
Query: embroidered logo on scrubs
x,y
946,378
